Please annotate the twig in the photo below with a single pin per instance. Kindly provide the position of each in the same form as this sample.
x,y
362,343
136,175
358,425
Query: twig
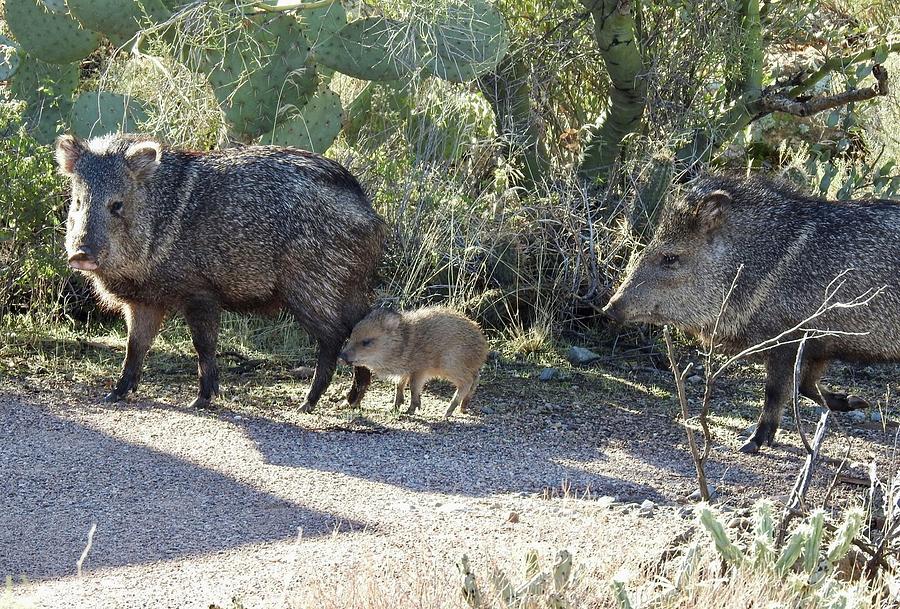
x,y
795,396
837,476
685,414
87,548
798,493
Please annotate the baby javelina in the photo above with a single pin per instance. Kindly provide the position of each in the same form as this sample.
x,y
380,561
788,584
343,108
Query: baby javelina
x,y
416,346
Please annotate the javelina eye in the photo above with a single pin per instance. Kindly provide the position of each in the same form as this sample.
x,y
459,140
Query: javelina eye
x,y
367,342
116,208
669,259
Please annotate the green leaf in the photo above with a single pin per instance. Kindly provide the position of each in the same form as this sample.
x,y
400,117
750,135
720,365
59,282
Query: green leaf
x,y
881,53
834,117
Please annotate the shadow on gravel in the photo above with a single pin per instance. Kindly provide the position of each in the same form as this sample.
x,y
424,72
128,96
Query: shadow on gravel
x,y
57,477
458,458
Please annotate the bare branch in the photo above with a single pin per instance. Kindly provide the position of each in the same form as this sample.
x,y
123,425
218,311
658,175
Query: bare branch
x,y
839,63
808,107
827,305
795,394
685,414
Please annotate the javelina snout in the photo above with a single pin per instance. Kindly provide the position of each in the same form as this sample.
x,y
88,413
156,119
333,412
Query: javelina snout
x,y
749,260
416,346
253,229
83,259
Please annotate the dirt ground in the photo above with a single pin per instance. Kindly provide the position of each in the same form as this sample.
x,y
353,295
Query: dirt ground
x,y
259,502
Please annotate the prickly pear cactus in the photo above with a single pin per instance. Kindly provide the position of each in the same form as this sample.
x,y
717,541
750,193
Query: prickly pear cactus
x,y
372,48
324,21
47,90
118,20
469,40
100,112
50,36
261,71
314,127
9,58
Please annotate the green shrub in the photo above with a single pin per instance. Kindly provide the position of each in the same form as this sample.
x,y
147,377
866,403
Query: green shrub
x,y
32,211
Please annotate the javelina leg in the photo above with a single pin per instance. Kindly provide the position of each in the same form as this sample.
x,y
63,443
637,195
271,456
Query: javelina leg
x,y
325,365
143,326
398,392
203,320
464,405
361,379
779,373
839,402
416,382
462,392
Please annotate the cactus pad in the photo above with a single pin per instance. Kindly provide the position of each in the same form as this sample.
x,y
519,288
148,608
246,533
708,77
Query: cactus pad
x,y
315,127
324,21
470,40
56,6
101,112
9,58
47,90
260,72
51,37
373,48
119,20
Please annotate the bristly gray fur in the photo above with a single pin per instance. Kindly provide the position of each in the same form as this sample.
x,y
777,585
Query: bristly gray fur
x,y
252,229
786,250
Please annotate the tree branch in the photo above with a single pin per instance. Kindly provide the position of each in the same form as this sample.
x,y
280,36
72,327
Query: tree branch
x,y
808,107
840,62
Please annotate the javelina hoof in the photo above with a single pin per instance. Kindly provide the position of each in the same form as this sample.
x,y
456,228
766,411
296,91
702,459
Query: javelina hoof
x,y
840,402
411,409
112,396
201,403
750,447
307,407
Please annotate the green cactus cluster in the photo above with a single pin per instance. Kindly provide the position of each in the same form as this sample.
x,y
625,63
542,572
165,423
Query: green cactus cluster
x,y
540,589
269,71
807,563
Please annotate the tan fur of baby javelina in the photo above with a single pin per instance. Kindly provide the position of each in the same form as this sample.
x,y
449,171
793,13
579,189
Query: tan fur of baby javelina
x,y
416,346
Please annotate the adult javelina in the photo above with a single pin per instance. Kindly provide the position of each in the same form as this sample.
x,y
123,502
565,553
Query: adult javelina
x,y
792,248
253,229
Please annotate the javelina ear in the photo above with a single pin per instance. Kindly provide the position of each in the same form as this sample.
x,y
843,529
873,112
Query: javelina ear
x,y
68,151
391,320
711,210
142,159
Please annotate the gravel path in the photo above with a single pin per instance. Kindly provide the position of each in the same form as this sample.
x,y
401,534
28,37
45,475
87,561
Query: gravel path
x,y
194,508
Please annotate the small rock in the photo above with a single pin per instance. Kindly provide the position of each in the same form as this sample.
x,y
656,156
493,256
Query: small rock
x,y
302,372
647,507
513,518
747,432
695,496
487,410
547,374
876,416
579,356
695,378
857,416
606,500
